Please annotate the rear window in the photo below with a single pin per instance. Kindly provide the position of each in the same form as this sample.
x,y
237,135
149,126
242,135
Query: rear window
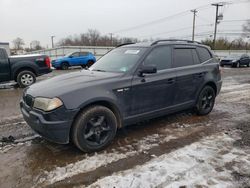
x,y
183,57
204,54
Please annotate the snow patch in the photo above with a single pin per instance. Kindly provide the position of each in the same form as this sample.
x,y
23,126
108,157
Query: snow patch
x,y
98,160
199,164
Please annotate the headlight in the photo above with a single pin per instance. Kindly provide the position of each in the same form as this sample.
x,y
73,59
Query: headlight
x,y
234,61
47,104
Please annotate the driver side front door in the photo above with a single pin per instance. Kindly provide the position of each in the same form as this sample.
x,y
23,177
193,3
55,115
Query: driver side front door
x,y
154,92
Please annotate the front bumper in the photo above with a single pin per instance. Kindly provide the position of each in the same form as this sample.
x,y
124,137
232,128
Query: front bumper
x,y
53,126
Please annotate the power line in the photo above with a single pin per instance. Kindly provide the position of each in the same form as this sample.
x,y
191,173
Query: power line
x,y
157,21
162,19
152,22
176,30
235,20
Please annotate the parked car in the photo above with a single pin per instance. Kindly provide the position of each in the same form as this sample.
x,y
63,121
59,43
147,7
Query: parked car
x,y
23,69
236,61
84,59
129,84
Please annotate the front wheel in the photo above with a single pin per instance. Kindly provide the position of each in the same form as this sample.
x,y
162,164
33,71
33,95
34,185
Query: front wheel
x,y
26,78
205,101
64,66
94,129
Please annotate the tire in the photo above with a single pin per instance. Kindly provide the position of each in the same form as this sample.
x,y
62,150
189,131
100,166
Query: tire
x,y
83,66
90,63
94,129
205,101
248,65
64,66
26,78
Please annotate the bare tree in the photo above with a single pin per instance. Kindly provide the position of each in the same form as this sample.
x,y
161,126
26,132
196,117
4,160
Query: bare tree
x,y
246,26
35,45
18,43
93,36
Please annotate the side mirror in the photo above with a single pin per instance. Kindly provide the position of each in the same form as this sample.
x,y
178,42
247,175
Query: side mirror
x,y
70,56
147,69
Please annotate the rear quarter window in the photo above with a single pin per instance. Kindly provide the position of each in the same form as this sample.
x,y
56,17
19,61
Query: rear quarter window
x,y
204,54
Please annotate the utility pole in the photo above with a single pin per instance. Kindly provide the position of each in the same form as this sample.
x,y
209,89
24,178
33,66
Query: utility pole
x,y
194,11
52,41
111,38
217,5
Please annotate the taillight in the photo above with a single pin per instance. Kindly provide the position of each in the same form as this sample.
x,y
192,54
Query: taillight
x,y
47,62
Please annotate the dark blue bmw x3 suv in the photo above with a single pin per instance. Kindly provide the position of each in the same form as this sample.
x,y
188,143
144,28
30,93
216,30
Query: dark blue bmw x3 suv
x,y
133,82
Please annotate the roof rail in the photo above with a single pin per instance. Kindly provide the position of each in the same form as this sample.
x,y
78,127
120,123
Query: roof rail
x,y
124,44
174,40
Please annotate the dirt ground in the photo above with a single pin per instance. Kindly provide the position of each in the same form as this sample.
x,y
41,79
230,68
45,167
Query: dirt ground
x,y
179,150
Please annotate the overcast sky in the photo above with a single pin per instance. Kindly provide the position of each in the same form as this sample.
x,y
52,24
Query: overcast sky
x,y
39,19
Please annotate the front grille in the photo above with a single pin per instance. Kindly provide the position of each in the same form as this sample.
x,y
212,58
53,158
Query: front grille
x,y
28,100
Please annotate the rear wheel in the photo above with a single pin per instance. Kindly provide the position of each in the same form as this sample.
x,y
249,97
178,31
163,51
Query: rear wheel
x,y
206,101
64,66
26,78
90,63
94,129
83,66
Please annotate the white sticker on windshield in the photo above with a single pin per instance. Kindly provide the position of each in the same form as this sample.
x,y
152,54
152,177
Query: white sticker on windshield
x,y
134,52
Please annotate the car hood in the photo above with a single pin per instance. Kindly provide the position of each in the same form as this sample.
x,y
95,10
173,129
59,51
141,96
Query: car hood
x,y
63,84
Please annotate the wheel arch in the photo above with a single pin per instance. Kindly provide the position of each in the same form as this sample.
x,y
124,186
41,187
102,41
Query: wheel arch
x,y
26,68
64,61
211,84
106,103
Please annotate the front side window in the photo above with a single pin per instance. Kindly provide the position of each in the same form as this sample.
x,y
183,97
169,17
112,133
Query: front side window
x,y
160,57
119,60
183,57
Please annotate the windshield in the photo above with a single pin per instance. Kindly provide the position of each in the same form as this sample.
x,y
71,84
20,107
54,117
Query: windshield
x,y
118,60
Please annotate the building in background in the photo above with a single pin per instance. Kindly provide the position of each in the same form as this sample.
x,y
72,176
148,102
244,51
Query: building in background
x,y
5,45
